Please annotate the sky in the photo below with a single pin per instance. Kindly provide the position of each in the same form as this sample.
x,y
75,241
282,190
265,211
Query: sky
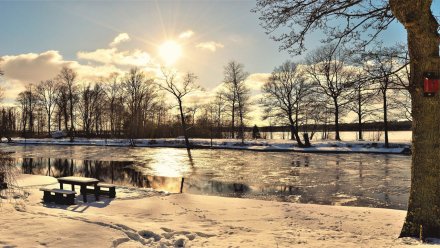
x,y
99,37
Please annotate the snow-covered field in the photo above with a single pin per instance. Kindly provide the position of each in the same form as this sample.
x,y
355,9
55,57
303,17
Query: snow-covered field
x,y
144,218
254,145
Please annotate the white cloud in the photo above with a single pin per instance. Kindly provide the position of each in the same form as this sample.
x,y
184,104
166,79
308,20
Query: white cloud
x,y
210,46
110,56
122,37
23,69
33,67
256,81
186,35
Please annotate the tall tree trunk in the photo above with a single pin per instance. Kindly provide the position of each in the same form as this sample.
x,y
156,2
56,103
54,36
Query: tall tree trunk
x,y
48,121
294,132
423,216
233,120
66,118
359,114
337,137
385,117
182,119
72,126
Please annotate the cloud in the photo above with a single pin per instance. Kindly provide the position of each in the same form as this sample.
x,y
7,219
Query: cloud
x,y
110,56
122,37
186,35
210,46
24,69
33,67
256,81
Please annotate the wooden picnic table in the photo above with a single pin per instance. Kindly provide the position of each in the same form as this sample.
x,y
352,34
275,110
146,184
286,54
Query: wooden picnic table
x,y
83,182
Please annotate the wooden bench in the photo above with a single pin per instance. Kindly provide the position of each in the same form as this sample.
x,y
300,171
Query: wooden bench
x,y
110,189
59,196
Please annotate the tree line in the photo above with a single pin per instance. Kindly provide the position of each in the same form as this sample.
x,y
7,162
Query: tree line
x,y
331,83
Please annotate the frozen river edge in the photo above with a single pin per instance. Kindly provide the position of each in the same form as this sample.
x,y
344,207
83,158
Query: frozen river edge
x,y
251,145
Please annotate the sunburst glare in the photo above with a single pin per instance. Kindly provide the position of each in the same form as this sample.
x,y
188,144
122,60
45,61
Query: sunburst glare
x,y
170,51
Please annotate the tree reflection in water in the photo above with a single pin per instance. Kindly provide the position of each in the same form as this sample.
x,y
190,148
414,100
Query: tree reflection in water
x,y
354,179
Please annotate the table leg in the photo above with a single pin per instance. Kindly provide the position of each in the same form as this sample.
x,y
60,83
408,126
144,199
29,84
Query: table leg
x,y
61,185
84,192
73,187
97,188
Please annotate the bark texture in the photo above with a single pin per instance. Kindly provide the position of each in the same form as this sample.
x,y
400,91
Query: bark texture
x,y
423,217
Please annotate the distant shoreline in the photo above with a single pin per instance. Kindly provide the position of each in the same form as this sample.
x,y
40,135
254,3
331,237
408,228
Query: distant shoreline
x,y
333,147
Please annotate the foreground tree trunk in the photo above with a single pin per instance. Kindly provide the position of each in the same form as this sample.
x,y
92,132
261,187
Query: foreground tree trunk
x,y
423,216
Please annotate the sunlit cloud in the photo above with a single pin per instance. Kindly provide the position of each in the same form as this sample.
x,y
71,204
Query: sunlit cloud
x,y
186,35
122,37
210,46
256,81
113,56
33,67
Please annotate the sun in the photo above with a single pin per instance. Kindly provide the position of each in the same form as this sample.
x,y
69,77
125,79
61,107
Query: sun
x,y
170,51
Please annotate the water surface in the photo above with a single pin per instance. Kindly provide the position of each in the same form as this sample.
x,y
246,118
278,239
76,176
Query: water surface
x,y
335,179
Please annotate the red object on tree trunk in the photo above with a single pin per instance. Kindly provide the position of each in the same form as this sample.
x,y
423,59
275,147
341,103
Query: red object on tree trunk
x,y
430,84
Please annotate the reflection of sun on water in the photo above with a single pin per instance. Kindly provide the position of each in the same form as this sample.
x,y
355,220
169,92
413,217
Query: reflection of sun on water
x,y
170,51
170,163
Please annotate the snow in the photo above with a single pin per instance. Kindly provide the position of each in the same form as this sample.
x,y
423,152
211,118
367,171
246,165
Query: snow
x,y
254,145
158,219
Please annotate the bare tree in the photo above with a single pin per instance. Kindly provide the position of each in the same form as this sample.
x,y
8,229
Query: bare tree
x,y
46,92
220,107
67,78
179,89
284,95
381,67
140,92
328,69
363,98
115,99
365,20
62,106
27,102
236,93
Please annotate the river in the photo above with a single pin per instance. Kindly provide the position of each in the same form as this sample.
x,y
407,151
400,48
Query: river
x,y
334,179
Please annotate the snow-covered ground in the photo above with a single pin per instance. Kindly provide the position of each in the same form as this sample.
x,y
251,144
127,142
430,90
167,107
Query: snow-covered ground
x,y
255,145
144,218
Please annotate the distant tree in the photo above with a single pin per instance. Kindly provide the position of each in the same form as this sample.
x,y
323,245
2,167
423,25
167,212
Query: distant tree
x,y
329,70
27,103
363,101
284,95
256,132
67,78
139,91
192,111
220,107
381,66
46,92
237,94
364,21
179,88
114,95
62,106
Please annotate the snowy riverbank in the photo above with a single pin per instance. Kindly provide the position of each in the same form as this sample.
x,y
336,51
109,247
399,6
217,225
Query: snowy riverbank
x,y
140,217
253,145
